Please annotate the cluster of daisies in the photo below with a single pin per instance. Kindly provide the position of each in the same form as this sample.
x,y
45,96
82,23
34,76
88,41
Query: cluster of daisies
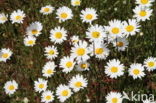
x,y
98,38
63,92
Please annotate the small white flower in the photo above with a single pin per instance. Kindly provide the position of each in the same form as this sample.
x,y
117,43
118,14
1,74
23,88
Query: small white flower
x,y
82,66
96,33
34,29
10,87
75,2
51,52
145,2
142,13
48,9
5,54
3,18
78,82
40,85
58,35
114,97
136,71
80,51
114,68
99,49
49,69
17,16
131,27
63,92
150,63
74,39
121,43
88,15
64,13
115,29
47,96
29,41
67,63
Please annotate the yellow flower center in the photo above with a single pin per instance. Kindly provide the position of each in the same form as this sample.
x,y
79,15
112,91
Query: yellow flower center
x,y
144,1
78,84
114,69
115,30
114,100
49,71
75,41
41,86
83,66
99,51
136,71
58,35
130,28
46,9
3,18
77,2
5,55
120,44
30,42
143,13
150,64
51,52
48,97
89,16
34,31
11,87
64,15
18,17
96,34
69,64
65,93
80,51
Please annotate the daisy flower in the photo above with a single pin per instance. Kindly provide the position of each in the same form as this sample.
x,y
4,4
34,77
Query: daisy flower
x,y
51,52
47,96
131,27
34,29
74,39
78,82
96,33
144,2
3,18
67,63
10,87
150,63
136,71
17,16
142,13
114,97
29,41
80,51
100,50
5,54
48,9
63,92
64,13
75,2
115,28
49,69
114,69
40,85
121,43
82,66
88,15
58,35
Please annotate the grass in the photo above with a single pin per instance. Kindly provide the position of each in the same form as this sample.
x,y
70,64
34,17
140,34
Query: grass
x,y
26,63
